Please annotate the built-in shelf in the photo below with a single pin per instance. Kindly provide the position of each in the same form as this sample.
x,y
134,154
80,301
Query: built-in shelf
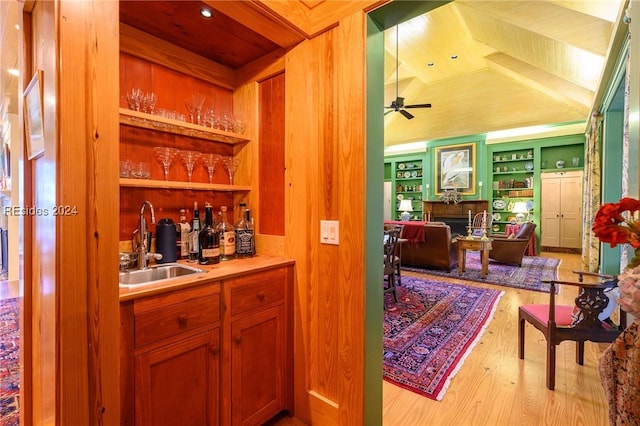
x,y
161,124
170,184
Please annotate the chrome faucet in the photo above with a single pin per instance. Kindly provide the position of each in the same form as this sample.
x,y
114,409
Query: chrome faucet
x,y
144,244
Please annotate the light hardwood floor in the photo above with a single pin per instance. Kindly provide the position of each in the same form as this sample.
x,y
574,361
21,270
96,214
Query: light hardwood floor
x,y
495,388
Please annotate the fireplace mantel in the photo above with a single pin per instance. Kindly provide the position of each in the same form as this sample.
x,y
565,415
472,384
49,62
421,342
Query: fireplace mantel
x,y
434,210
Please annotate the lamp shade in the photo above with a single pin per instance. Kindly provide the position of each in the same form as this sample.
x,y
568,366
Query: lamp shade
x,y
405,206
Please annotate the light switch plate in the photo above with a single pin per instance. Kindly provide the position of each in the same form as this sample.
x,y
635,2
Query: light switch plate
x,y
329,232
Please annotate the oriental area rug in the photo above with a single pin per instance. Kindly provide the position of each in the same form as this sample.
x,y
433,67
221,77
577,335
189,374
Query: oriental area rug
x,y
431,330
534,269
9,362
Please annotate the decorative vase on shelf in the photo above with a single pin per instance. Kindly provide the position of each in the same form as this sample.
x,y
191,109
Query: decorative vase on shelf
x,y
560,164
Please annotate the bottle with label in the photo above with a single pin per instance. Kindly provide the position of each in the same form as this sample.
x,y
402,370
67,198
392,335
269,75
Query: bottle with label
x,y
182,235
245,243
227,236
194,235
209,239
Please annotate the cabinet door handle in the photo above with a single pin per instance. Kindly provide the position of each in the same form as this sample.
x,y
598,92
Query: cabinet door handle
x,y
183,319
261,296
237,340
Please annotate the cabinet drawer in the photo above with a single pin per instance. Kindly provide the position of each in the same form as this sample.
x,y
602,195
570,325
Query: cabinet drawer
x,y
261,293
177,318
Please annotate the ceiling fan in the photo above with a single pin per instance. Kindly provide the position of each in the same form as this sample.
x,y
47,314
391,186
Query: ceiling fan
x,y
398,104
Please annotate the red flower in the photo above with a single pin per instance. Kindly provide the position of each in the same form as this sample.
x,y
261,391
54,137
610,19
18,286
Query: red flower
x,y
610,226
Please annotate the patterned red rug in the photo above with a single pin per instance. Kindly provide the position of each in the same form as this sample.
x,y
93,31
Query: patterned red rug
x,y
9,362
534,269
430,332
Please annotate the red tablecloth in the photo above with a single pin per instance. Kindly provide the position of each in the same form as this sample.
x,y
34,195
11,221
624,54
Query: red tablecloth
x,y
413,230
513,228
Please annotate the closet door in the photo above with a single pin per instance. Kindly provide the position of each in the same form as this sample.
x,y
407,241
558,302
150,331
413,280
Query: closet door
x,y
550,205
571,210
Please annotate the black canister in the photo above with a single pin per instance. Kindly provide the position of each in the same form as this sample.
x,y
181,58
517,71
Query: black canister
x,y
166,240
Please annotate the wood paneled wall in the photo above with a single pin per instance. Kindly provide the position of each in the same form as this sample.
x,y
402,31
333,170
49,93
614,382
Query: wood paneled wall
x,y
325,163
71,259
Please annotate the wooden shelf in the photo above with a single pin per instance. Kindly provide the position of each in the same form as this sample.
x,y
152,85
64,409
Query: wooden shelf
x,y
169,184
160,124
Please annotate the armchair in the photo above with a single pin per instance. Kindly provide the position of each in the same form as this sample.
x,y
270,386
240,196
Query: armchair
x,y
511,250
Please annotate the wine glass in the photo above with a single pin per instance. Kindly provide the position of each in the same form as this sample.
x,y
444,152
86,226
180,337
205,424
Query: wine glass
x,y
165,156
189,159
231,164
210,161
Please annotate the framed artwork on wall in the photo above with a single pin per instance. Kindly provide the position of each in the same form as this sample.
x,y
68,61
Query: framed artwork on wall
x,y
455,168
33,112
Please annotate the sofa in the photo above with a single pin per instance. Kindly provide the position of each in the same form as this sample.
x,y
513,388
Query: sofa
x,y
438,250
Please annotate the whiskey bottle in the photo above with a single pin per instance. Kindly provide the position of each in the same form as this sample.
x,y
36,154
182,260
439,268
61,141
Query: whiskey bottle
x,y
194,235
245,242
182,235
209,239
227,236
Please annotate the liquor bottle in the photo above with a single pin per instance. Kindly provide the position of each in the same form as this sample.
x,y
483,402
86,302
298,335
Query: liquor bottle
x,y
209,239
194,235
245,243
227,236
182,235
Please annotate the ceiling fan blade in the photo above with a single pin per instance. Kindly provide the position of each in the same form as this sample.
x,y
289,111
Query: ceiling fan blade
x,y
387,112
418,106
406,114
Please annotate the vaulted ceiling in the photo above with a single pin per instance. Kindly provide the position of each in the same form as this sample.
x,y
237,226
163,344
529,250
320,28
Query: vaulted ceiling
x,y
495,65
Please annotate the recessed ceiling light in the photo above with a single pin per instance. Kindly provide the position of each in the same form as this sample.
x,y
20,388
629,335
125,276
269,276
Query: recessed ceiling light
x,y
454,56
207,13
430,64
13,71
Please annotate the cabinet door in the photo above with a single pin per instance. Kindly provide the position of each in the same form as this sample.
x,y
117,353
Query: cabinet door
x,y
258,366
550,211
571,212
178,384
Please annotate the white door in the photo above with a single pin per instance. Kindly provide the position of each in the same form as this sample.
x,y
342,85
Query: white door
x,y
387,201
571,210
550,210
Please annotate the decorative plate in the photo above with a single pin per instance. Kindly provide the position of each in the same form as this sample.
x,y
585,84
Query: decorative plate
x,y
497,216
529,205
400,197
499,204
407,174
496,228
528,166
414,174
401,166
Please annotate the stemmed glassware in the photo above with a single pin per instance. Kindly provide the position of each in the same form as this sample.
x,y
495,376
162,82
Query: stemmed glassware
x,y
231,164
194,105
210,161
165,156
189,159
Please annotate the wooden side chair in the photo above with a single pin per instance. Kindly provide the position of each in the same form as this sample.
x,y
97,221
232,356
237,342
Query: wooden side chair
x,y
391,243
579,322
398,259
476,225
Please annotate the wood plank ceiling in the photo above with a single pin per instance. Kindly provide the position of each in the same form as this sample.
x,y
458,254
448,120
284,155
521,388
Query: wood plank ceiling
x,y
518,64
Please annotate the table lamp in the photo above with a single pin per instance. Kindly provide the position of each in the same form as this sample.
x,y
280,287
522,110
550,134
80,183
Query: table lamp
x,y
520,208
405,207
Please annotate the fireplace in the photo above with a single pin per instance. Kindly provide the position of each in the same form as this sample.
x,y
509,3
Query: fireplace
x,y
457,225
454,215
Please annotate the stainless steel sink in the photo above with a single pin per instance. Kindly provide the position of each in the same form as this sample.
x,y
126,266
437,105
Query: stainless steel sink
x,y
154,274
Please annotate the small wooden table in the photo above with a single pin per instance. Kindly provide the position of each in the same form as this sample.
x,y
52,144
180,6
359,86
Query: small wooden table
x,y
483,246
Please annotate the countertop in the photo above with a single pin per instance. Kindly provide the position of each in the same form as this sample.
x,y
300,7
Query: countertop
x,y
220,271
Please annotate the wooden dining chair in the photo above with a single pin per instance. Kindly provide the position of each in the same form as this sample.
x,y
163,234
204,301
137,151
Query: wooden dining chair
x,y
476,225
391,242
579,322
398,259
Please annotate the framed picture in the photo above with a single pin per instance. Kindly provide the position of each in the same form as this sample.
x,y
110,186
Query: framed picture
x,y
33,111
455,168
